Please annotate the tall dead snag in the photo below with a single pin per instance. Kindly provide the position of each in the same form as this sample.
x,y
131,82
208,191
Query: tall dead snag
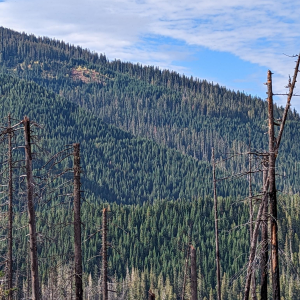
x,y
273,196
264,238
288,103
273,148
193,273
31,213
216,228
104,255
151,296
253,247
10,212
253,282
77,224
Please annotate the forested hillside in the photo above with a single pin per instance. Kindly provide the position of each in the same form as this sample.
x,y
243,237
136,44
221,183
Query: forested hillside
x,y
118,167
148,243
146,138
174,110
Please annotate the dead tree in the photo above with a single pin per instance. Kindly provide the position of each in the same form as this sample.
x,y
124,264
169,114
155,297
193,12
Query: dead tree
x,y
264,238
253,250
10,212
253,282
216,228
273,195
193,273
77,225
104,255
291,87
271,186
31,213
273,152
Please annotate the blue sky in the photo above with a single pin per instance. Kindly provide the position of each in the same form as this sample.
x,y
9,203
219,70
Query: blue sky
x,y
229,42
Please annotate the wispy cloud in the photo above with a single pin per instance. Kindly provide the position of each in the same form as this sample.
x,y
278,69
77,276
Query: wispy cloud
x,y
257,31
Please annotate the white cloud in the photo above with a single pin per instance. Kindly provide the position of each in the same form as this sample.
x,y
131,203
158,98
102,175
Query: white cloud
x,y
258,31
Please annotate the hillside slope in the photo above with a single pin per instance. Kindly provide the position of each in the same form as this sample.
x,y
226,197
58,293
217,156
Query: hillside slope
x,y
179,112
118,167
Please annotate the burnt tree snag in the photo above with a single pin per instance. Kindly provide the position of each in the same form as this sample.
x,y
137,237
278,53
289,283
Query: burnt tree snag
x,y
253,282
104,255
264,238
273,152
273,195
253,248
288,103
31,213
193,273
216,228
77,224
10,212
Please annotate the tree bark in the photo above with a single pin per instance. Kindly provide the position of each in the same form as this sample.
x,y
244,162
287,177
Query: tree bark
x,y
253,249
104,255
253,279
273,196
216,229
77,224
10,213
193,274
264,238
288,103
31,213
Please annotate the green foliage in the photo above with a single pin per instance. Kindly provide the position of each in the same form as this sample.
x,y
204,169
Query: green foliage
x,y
117,166
149,239
176,111
166,188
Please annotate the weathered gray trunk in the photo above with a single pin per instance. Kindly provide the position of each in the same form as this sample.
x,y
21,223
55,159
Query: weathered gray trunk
x,y
273,196
253,279
77,225
264,238
31,213
10,213
253,249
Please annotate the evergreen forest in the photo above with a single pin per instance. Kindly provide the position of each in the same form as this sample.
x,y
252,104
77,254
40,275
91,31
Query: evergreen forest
x,y
146,138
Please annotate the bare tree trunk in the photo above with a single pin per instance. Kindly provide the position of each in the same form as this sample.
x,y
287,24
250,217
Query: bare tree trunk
x,y
28,276
273,196
31,213
253,248
193,274
288,104
253,279
216,229
264,237
77,225
104,255
10,213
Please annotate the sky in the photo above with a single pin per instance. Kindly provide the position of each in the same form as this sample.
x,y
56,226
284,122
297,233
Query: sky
x,y
230,42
